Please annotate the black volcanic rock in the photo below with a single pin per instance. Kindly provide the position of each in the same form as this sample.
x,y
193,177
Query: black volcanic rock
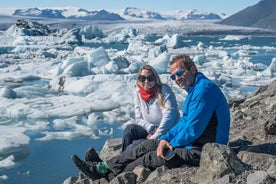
x,y
261,15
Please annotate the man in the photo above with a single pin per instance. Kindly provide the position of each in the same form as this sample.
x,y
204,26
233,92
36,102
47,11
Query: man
x,y
205,118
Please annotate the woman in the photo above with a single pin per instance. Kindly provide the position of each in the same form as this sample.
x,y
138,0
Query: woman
x,y
155,109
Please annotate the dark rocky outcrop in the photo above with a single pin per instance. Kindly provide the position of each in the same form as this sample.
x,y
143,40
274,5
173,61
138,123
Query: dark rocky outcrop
x,y
249,158
261,15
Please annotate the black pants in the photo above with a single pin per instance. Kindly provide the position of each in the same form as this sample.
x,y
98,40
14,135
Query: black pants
x,y
131,133
145,154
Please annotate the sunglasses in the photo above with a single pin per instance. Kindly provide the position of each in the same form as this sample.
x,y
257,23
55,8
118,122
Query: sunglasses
x,y
143,78
179,73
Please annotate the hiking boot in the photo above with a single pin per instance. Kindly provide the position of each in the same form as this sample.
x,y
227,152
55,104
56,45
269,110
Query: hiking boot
x,y
89,169
92,155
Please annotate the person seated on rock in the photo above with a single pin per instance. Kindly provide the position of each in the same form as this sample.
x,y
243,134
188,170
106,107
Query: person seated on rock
x,y
205,119
155,109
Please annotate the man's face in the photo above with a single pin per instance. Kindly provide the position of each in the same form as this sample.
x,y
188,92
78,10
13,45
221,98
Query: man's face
x,y
183,78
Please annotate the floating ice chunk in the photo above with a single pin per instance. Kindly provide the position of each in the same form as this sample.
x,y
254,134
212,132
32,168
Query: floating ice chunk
x,y
25,28
33,91
201,46
61,124
92,120
49,136
72,37
156,51
199,59
171,42
77,69
138,46
70,61
75,66
121,62
7,162
3,177
161,62
13,139
216,53
236,37
123,36
90,32
111,67
81,86
244,53
7,92
133,67
98,57
36,126
271,69
20,40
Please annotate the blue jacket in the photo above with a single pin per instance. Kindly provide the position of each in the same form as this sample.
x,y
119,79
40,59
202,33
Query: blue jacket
x,y
206,117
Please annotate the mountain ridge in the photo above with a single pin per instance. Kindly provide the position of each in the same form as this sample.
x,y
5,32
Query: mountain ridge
x,y
260,15
128,13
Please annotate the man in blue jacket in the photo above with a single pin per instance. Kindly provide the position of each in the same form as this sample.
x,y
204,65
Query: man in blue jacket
x,y
205,119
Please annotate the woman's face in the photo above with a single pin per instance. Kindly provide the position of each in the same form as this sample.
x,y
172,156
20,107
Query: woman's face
x,y
146,79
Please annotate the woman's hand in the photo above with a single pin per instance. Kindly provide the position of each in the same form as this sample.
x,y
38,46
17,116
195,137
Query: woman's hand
x,y
161,146
153,132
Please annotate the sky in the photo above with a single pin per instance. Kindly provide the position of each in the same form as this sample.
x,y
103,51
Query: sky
x,y
218,6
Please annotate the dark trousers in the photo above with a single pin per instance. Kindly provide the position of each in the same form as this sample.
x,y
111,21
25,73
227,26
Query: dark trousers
x,y
145,154
131,133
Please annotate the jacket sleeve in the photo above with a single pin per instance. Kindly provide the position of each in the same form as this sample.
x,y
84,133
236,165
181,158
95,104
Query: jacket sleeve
x,y
170,113
139,119
198,110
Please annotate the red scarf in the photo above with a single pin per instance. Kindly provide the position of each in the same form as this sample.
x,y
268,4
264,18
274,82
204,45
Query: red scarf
x,y
146,95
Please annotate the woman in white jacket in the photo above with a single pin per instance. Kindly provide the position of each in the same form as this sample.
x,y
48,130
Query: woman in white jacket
x,y
155,109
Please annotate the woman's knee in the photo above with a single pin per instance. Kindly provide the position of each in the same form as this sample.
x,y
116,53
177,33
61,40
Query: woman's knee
x,y
130,128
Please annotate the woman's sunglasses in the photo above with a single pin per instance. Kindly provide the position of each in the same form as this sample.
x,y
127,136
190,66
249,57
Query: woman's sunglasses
x,y
142,78
179,73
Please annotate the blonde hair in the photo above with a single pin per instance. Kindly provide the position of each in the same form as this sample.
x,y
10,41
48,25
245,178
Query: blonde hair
x,y
158,83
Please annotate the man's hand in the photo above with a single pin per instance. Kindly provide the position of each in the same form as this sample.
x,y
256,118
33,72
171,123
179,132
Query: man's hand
x,y
161,146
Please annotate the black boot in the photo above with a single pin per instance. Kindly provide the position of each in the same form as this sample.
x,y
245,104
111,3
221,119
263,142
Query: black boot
x,y
92,156
88,168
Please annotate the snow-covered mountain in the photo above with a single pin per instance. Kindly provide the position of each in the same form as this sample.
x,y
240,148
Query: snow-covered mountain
x,y
128,13
142,14
35,12
200,15
72,13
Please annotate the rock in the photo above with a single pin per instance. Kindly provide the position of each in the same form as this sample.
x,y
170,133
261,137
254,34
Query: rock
x,y
111,148
142,173
217,161
124,178
270,127
272,170
259,161
224,180
259,177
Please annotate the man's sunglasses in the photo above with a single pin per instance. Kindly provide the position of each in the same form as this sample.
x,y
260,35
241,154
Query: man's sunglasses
x,y
142,78
179,73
